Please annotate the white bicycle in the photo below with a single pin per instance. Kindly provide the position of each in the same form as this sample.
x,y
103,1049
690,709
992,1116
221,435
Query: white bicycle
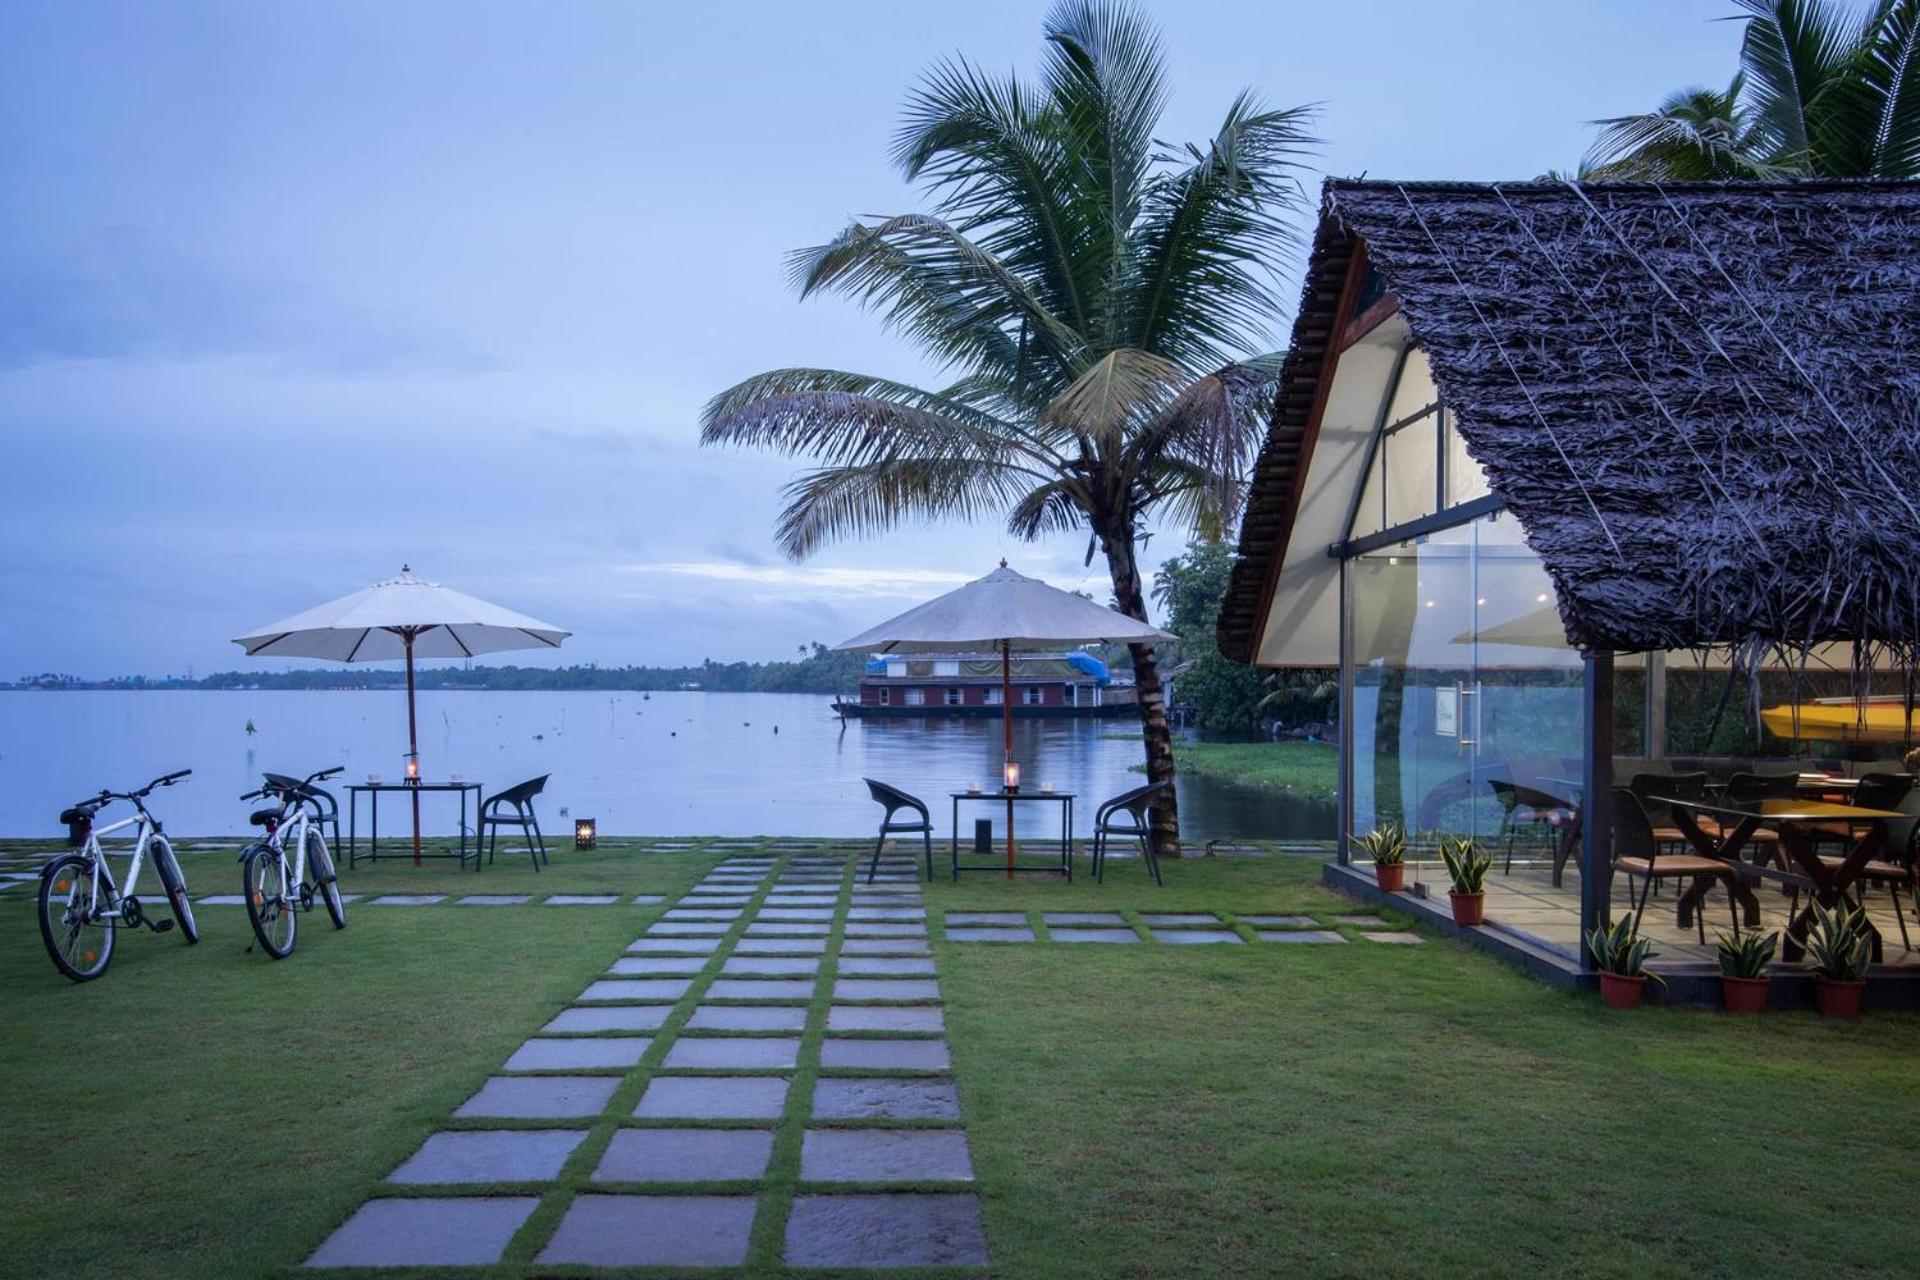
x,y
276,892
82,908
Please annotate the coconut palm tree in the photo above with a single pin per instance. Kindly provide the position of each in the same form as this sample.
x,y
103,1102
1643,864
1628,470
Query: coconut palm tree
x,y
1089,292
1826,90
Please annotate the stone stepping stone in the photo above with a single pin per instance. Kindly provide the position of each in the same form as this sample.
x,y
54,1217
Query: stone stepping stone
x,y
886,1230
648,989
733,1017
866,967
885,1098
685,1155
795,914
674,946
886,913
659,966
1084,918
911,889
790,901
581,1053
1299,935
681,929
886,989
885,1155
1093,935
1281,922
494,900
778,929
607,1018
1180,918
452,1231
649,899
761,989
987,917
857,930
403,899
703,901
583,900
1363,922
1196,937
714,1098
221,900
490,1155
913,1018
735,1053
696,913
1393,939
770,967
884,947
886,1055
653,1231
989,935
540,1097
781,947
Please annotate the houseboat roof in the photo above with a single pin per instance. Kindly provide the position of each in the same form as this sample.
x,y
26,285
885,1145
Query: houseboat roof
x,y
1702,401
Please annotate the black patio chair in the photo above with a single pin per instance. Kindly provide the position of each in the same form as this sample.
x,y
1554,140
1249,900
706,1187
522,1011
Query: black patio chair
x,y
1526,807
1894,868
893,799
1135,804
1636,853
494,814
326,810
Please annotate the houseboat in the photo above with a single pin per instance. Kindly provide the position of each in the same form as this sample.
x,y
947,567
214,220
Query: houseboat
x,y
969,684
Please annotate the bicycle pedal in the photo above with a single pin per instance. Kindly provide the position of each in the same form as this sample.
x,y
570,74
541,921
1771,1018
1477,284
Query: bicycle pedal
x,y
162,926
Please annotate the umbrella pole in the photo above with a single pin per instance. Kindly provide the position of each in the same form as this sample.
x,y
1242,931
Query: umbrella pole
x,y
413,744
1006,721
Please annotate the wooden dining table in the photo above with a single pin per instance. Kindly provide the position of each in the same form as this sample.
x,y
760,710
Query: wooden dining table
x,y
1828,883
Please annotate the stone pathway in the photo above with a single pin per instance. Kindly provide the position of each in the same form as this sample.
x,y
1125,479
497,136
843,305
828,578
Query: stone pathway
x,y
766,1063
1170,928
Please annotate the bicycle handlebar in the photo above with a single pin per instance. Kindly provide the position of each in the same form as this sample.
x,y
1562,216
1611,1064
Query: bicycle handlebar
x,y
106,795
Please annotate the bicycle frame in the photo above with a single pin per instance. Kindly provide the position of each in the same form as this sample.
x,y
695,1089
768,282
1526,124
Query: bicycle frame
x,y
98,857
300,822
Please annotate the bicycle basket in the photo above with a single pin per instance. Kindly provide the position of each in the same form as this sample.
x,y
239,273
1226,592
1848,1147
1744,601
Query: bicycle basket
x,y
79,826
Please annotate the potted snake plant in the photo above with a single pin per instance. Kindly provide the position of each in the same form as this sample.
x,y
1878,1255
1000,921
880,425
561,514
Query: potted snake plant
x,y
1839,948
1467,867
1387,846
1743,970
1621,955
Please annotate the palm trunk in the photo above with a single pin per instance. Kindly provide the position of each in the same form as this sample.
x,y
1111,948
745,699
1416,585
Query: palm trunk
x,y
1155,729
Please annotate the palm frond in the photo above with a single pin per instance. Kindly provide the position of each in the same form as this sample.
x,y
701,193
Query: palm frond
x,y
866,498
845,417
1796,55
1059,506
1887,86
1214,429
1124,390
1696,135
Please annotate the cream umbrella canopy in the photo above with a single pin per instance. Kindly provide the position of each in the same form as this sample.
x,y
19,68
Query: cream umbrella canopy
x,y
1004,610
400,618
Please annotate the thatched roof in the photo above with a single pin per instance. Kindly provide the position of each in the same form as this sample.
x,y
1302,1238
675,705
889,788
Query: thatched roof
x,y
1701,401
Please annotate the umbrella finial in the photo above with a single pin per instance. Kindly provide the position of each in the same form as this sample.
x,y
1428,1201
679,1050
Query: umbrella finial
x,y
406,568
1003,562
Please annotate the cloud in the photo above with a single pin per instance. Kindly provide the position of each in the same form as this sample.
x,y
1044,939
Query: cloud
x,y
845,582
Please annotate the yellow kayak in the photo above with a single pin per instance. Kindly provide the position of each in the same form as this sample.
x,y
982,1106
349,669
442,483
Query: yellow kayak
x,y
1843,721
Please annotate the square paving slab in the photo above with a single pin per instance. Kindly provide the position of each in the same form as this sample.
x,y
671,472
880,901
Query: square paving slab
x,y
987,917
697,913
404,899
653,1231
781,947
686,929
1084,918
583,899
1196,937
886,913
895,989
886,1055
1093,935
881,1098
490,1155
1281,922
465,1231
869,967
1180,917
668,989
735,1017
884,947
886,1231
713,1098
1364,922
685,1155
734,1053
659,966
770,967
540,1097
795,915
868,1017
579,1052
788,929
917,931
607,1018
649,899
971,934
495,900
1395,939
674,946
885,1155
761,989
1298,935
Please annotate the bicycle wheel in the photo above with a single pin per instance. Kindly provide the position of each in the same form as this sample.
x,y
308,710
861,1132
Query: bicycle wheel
x,y
80,943
274,911
326,881
175,884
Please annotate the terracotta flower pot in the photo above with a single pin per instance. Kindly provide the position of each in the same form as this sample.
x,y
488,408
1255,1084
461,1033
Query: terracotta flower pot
x,y
1468,908
1391,876
1838,999
1744,995
1620,991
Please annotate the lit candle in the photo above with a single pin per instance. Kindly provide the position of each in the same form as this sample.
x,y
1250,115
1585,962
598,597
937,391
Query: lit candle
x,y
1013,775
413,766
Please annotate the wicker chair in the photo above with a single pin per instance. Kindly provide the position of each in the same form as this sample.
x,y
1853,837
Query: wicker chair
x,y
1135,806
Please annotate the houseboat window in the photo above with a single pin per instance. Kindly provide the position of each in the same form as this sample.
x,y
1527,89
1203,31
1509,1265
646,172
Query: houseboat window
x,y
886,697
1030,697
896,668
916,697
946,667
993,697
953,697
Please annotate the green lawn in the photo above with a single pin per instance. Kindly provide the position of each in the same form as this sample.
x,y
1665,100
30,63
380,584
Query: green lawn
x,y
1145,1111
1309,768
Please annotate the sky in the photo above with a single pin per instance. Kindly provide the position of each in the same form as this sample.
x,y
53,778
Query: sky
x,y
292,293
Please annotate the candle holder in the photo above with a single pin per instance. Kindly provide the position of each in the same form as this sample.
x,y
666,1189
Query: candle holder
x,y
413,768
1012,775
586,833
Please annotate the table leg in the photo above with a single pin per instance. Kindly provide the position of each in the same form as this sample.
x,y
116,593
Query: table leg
x,y
353,814
373,833
953,842
1066,837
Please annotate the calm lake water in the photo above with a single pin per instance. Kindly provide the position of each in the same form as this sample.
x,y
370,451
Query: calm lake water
x,y
671,764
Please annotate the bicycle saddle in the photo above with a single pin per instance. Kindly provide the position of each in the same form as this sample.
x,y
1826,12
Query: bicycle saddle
x,y
264,817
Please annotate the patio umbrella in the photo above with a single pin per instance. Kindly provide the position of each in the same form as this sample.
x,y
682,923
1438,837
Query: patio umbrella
x,y
1004,610
400,618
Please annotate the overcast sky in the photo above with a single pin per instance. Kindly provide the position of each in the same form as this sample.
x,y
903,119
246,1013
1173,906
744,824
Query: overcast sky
x,y
293,292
